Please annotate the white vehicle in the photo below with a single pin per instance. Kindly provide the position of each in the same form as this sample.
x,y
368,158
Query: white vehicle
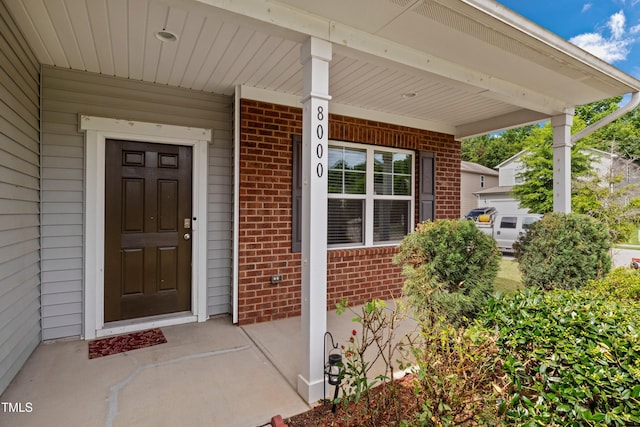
x,y
506,228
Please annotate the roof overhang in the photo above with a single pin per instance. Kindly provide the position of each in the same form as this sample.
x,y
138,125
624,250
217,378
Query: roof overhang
x,y
473,65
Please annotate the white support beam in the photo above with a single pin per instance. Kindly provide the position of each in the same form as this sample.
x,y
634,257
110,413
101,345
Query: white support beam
x,y
561,125
506,121
315,55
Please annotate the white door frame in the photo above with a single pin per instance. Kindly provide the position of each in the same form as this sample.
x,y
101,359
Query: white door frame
x,y
97,131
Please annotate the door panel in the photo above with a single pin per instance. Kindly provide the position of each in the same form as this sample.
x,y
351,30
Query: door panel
x,y
147,214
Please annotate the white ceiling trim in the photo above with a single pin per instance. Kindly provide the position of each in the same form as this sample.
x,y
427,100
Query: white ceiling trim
x,y
264,95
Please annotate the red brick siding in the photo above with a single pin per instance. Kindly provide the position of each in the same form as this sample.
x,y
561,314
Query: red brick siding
x,y
357,275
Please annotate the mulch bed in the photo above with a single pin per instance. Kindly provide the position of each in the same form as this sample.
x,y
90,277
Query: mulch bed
x,y
321,416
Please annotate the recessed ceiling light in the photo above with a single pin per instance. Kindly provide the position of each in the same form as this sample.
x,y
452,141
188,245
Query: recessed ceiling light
x,y
408,95
166,36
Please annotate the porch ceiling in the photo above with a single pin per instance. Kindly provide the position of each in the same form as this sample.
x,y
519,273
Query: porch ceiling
x,y
474,65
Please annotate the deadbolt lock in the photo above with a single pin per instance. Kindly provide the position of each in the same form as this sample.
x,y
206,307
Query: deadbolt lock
x,y
187,223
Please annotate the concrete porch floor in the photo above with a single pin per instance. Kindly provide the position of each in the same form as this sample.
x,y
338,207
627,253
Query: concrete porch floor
x,y
208,374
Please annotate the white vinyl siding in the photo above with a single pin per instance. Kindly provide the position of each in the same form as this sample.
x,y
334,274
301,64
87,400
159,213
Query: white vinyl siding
x,y
66,94
19,200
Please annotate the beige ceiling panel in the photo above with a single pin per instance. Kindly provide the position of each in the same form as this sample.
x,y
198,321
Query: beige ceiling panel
x,y
200,51
40,17
28,28
175,22
242,60
290,67
188,39
77,11
231,55
118,32
64,31
276,64
97,11
266,50
137,28
155,22
220,45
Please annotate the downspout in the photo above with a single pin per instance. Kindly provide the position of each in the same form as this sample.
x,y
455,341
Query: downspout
x,y
236,203
633,103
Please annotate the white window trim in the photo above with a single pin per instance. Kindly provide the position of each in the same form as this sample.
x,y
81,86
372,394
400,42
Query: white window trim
x,y
97,131
369,195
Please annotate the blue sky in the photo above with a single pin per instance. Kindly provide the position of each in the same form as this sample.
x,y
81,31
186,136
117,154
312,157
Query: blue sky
x,y
609,29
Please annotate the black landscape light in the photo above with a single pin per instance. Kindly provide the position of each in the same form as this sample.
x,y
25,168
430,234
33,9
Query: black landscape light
x,y
333,368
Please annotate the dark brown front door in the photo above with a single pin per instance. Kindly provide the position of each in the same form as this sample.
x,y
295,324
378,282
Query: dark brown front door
x,y
147,229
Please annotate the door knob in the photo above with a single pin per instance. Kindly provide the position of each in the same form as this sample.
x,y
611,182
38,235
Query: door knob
x,y
186,236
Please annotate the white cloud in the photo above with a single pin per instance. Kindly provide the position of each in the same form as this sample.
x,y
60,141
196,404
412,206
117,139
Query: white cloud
x,y
586,7
616,24
610,49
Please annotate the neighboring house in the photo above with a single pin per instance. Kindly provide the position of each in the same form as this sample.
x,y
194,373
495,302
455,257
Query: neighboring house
x,y
501,197
474,178
151,171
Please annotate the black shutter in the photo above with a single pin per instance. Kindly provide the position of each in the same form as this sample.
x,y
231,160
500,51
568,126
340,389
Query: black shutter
x,y
427,196
296,194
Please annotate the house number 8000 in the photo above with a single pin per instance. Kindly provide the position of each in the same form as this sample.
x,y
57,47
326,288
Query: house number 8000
x,y
319,147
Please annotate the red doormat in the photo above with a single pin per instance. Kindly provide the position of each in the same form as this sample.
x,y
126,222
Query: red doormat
x,y
122,343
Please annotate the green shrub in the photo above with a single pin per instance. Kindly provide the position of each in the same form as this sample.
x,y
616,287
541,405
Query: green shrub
x,y
450,268
563,251
622,284
573,358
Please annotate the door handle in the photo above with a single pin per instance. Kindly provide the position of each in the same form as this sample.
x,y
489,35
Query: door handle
x,y
186,236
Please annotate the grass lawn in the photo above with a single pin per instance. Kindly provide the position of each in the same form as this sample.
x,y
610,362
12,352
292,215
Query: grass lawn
x,y
633,237
508,280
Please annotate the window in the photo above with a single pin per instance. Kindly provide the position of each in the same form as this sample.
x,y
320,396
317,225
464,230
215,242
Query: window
x,y
508,222
527,221
481,181
370,194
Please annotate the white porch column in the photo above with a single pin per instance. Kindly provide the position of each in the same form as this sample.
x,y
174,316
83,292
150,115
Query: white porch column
x,y
562,162
315,55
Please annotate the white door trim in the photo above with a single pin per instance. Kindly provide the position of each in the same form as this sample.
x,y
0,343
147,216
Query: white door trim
x,y
97,130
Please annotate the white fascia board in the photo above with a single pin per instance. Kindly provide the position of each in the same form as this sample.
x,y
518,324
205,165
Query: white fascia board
x,y
257,94
307,24
506,121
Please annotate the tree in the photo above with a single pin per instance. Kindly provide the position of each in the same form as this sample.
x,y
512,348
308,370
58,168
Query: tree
x,y
610,201
491,150
536,192
563,251
625,131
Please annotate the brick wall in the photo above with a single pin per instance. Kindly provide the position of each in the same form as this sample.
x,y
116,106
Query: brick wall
x,y
265,211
